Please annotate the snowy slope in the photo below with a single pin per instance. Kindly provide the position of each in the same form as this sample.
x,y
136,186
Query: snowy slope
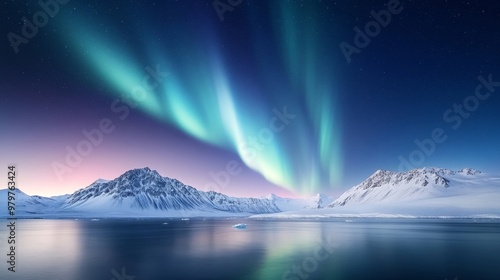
x,y
419,193
385,186
289,204
26,204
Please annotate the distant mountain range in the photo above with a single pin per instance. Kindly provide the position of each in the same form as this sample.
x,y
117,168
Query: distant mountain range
x,y
418,193
143,192
423,192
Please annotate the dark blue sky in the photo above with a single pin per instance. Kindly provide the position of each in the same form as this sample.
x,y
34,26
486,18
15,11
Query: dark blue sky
x,y
264,100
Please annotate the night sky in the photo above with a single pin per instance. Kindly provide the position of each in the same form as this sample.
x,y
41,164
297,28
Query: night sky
x,y
247,97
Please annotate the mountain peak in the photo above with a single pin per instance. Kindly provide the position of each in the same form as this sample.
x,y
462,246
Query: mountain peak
x,y
382,172
141,172
425,171
271,196
469,171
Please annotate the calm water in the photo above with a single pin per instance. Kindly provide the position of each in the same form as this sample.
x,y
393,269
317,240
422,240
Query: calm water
x,y
212,249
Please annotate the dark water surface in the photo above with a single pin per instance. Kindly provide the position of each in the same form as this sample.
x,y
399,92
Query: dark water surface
x,y
267,249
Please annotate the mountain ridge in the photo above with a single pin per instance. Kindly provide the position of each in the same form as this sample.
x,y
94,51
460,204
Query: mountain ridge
x,y
385,185
143,191
430,193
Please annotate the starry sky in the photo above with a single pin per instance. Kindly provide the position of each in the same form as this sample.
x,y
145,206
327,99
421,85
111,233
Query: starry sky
x,y
247,97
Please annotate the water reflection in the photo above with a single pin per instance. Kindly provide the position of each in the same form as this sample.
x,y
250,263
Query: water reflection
x,y
47,243
212,249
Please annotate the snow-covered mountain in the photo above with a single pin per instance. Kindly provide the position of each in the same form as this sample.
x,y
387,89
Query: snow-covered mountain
x,y
421,183
143,192
423,192
418,193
